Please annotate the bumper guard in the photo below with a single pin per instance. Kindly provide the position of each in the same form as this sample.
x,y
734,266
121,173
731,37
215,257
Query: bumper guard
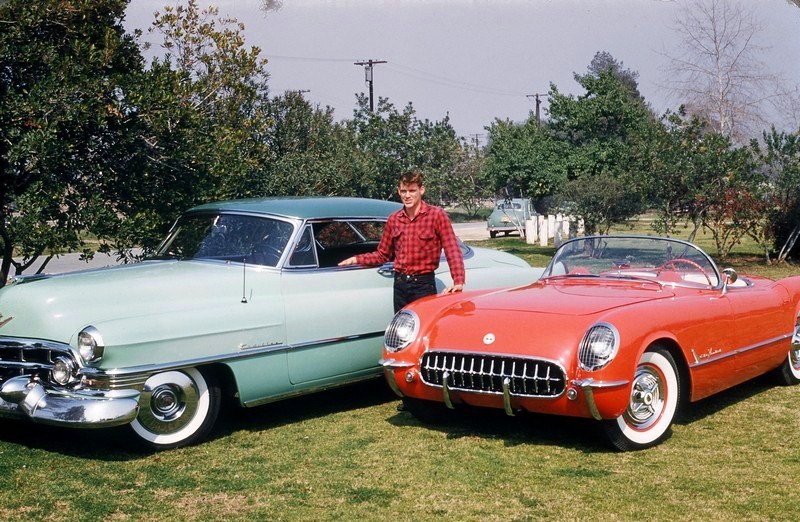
x,y
26,398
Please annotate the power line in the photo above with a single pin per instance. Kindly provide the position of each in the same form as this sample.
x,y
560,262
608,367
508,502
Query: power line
x,y
414,73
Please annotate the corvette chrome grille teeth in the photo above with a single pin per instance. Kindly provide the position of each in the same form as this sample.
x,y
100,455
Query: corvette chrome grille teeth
x,y
485,373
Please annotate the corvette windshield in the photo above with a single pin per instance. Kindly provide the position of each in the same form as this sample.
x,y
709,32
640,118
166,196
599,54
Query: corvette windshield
x,y
227,237
658,259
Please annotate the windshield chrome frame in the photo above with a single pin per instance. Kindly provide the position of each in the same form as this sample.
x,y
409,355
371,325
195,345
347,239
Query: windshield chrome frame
x,y
720,281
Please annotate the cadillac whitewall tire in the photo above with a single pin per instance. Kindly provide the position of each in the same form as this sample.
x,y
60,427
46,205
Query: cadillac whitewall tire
x,y
655,395
177,408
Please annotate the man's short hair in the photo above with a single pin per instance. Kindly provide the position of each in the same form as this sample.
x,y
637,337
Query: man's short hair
x,y
411,177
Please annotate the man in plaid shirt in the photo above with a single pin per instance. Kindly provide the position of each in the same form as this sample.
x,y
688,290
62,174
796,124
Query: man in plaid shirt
x,y
414,237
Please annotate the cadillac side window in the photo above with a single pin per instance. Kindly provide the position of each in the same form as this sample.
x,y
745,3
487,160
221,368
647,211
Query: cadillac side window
x,y
305,254
338,240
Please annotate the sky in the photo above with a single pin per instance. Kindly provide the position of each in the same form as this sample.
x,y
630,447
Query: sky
x,y
471,60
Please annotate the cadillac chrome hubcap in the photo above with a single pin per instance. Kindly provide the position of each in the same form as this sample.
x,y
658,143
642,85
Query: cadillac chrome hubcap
x,y
168,402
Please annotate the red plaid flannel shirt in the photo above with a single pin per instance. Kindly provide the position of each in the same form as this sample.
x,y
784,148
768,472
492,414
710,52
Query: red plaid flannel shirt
x,y
416,245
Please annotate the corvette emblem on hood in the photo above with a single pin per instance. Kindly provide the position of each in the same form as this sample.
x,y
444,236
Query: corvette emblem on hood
x,y
3,322
488,338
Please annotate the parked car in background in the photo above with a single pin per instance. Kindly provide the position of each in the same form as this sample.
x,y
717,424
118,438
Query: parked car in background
x,y
242,298
621,329
509,215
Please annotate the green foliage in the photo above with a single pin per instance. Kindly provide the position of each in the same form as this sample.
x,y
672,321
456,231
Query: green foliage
x,y
395,142
65,67
780,158
467,186
526,158
312,155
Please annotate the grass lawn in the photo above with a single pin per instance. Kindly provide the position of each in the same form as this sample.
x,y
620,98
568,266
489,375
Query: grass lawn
x,y
348,454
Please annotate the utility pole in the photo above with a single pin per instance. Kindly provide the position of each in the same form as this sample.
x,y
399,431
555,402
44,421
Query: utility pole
x,y
538,103
368,77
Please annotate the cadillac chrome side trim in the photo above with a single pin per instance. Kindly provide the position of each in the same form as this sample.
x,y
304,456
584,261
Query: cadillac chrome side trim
x,y
188,363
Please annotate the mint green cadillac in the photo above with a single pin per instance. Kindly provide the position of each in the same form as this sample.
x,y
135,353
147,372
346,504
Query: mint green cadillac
x,y
243,298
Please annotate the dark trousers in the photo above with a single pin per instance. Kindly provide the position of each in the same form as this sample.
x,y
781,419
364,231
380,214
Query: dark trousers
x,y
409,288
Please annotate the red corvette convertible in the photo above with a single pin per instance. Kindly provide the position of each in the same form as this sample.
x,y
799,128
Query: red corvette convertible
x,y
622,329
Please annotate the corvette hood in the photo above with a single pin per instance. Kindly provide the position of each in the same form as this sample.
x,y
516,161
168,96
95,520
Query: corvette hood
x,y
57,307
543,319
569,297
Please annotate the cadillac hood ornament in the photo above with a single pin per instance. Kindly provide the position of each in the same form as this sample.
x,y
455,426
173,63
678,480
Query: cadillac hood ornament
x,y
4,322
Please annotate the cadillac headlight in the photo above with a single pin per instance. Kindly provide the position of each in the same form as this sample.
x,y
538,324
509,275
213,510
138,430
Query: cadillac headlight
x,y
90,344
63,370
598,347
401,331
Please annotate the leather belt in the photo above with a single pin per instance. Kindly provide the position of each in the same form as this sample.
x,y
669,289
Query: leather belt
x,y
413,278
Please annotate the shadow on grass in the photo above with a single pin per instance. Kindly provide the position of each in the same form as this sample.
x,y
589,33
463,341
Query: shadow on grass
x,y
119,444
697,411
524,428
568,432
298,409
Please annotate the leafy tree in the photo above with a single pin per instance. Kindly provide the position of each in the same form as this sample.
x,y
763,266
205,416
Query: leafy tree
x,y
733,202
525,159
63,79
780,157
467,185
199,112
310,154
225,84
395,142
602,130
603,61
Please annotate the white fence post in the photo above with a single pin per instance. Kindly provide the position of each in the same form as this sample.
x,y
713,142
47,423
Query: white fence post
x,y
531,232
543,233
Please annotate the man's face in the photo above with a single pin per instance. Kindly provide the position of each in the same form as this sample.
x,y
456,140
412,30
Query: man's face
x,y
410,194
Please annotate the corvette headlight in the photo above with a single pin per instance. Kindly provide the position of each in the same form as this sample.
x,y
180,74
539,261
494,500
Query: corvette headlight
x,y
90,344
598,347
401,331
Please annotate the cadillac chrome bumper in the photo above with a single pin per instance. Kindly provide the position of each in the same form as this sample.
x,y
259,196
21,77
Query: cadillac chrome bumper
x,y
23,397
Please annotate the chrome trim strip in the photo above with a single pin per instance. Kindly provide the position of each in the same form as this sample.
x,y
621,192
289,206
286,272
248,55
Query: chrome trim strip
x,y
222,358
699,362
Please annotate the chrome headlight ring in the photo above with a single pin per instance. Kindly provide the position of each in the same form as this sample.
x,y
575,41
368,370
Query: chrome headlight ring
x,y
598,347
90,344
401,331
63,370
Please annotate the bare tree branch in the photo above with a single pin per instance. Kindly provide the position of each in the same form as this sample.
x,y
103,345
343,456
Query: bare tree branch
x,y
718,72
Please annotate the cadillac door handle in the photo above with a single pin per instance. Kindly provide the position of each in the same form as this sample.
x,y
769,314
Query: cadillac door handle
x,y
386,271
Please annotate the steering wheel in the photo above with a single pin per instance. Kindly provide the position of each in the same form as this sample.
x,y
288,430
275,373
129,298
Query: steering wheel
x,y
679,260
266,254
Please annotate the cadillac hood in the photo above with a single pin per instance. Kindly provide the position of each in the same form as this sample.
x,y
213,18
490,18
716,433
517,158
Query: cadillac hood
x,y
140,302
